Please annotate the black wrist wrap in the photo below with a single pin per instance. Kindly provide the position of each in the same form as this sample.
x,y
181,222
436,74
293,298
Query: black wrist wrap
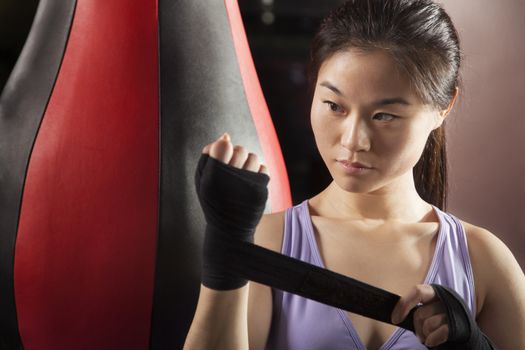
x,y
464,333
233,202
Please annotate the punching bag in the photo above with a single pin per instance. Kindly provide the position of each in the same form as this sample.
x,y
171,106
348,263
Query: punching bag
x,y
102,122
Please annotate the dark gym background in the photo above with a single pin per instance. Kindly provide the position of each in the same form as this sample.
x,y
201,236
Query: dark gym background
x,y
485,130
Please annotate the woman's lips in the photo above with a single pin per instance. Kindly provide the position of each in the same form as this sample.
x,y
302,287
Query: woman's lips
x,y
353,167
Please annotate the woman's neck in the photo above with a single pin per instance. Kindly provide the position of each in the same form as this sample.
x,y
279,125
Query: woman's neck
x,y
399,203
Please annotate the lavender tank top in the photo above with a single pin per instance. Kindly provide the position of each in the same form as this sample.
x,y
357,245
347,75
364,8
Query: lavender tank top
x,y
302,324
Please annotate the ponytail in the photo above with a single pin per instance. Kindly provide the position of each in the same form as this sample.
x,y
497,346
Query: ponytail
x,y
430,173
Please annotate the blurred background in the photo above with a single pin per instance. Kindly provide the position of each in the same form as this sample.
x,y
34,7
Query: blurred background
x,y
485,131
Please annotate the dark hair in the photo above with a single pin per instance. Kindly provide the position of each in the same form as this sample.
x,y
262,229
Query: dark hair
x,y
422,40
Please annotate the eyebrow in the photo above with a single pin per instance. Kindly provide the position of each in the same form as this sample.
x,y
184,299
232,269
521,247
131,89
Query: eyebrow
x,y
381,102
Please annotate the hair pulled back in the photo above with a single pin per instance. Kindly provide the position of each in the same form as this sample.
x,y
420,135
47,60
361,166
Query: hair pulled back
x,y
423,41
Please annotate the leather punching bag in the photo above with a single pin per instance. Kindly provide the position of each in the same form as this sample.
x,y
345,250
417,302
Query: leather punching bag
x,y
101,125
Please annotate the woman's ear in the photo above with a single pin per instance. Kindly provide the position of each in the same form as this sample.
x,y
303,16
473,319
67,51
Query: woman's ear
x,y
443,114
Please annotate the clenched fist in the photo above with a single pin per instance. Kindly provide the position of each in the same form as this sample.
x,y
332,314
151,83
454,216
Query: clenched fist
x,y
236,156
231,186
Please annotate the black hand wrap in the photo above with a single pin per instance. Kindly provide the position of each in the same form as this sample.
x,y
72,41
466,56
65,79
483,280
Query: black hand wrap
x,y
464,333
233,202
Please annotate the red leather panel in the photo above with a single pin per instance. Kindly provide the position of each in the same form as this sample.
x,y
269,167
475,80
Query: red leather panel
x,y
279,189
85,254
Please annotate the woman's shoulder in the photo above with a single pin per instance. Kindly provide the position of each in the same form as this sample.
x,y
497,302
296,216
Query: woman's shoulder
x,y
481,239
500,285
485,246
492,262
270,231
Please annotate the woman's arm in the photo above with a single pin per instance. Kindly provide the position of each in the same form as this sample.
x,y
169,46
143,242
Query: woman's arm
x,y
241,318
269,234
220,320
500,283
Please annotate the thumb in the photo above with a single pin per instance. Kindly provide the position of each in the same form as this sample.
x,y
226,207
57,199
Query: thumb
x,y
222,149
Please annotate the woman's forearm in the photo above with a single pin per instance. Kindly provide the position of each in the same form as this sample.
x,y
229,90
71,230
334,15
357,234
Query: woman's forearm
x,y
223,185
220,321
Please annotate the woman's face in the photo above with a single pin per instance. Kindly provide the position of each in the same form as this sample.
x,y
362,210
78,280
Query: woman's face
x,y
364,111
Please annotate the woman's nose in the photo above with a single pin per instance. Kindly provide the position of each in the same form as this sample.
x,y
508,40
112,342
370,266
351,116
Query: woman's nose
x,y
355,136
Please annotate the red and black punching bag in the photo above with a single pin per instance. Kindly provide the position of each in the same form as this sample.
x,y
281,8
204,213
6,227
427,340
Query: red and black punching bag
x,y
101,125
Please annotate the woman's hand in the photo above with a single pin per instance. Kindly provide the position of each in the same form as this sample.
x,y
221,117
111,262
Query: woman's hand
x,y
236,156
430,320
231,186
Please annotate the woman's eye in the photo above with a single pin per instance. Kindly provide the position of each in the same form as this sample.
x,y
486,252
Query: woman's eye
x,y
334,107
389,117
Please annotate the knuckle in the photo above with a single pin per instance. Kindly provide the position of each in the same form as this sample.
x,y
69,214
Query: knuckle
x,y
252,163
428,325
437,338
239,148
420,289
220,151
239,155
418,315
427,310
445,331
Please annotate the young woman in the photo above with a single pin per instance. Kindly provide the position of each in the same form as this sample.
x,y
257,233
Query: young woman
x,y
385,75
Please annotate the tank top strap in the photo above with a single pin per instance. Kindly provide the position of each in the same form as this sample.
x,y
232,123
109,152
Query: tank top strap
x,y
296,235
455,268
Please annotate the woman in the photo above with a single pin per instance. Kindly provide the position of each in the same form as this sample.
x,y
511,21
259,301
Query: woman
x,y
385,75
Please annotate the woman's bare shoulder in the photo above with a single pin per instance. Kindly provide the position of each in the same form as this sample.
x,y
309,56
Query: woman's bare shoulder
x,y
269,232
485,247
481,239
494,265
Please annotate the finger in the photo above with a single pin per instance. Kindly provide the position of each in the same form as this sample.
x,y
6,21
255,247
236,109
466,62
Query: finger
x,y
421,317
239,157
222,149
433,323
437,337
252,163
206,149
418,325
421,314
428,310
263,169
420,294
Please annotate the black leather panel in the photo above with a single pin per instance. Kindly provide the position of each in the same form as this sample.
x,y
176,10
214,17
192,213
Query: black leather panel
x,y
22,105
201,96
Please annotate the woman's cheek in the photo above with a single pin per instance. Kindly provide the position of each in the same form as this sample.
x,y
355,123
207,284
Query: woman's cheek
x,y
408,154
321,142
321,130
396,153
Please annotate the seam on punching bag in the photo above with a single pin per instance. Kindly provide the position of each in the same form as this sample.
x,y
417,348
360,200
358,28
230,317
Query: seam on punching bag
x,y
23,105
159,174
